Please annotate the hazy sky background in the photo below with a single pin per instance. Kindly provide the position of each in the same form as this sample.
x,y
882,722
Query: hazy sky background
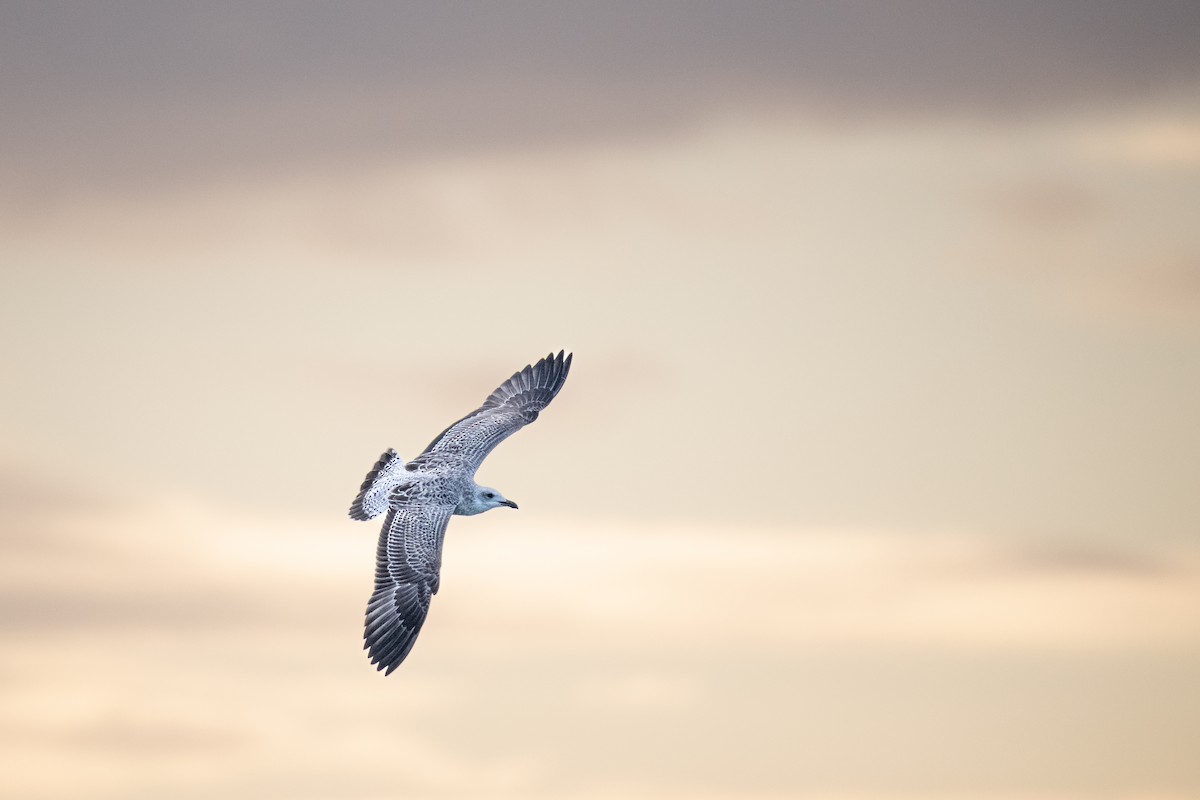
x,y
876,475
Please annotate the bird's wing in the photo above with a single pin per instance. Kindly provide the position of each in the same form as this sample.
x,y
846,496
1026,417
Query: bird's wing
x,y
407,562
512,406
372,497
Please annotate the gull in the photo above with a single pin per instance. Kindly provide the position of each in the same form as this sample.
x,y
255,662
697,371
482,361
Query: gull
x,y
421,496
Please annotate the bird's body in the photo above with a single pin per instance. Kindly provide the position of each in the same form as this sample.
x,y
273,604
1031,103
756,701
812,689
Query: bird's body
x,y
421,496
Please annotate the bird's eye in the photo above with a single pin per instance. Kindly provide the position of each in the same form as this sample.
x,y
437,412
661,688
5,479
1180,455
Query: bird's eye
x,y
489,495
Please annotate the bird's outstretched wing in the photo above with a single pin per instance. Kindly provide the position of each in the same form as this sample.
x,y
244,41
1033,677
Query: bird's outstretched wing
x,y
512,406
407,563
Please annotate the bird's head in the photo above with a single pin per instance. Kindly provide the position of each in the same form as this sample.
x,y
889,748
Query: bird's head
x,y
487,498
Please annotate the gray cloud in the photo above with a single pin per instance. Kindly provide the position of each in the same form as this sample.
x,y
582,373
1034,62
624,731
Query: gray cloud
x,y
25,490
1065,558
134,92
107,608
1047,206
160,738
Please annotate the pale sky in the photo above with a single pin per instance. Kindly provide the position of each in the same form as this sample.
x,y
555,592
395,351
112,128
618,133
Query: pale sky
x,y
875,477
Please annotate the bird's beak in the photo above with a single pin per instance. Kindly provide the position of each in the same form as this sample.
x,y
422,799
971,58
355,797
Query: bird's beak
x,y
509,503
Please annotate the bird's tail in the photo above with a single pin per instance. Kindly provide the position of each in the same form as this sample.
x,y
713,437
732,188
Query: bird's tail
x,y
372,497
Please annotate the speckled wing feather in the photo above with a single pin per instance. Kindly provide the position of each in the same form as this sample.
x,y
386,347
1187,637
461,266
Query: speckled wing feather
x,y
372,497
512,406
407,563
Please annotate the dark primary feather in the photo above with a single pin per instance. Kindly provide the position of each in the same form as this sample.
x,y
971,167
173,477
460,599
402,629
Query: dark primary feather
x,y
407,562
513,405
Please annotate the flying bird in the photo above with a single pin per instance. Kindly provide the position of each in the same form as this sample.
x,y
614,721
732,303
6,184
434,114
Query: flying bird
x,y
421,496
